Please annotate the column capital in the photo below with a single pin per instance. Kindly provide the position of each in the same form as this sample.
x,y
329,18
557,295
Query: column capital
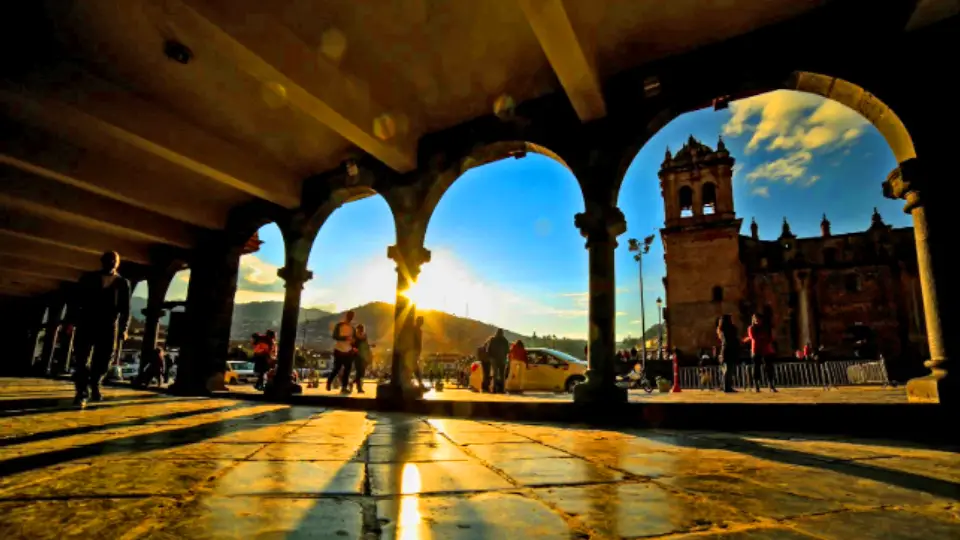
x,y
905,182
409,257
601,224
294,276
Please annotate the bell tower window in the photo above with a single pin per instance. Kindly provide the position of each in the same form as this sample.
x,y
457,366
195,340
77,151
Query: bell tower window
x,y
686,201
709,197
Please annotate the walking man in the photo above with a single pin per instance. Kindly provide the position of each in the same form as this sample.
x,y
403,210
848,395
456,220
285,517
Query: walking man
x,y
497,351
101,319
343,351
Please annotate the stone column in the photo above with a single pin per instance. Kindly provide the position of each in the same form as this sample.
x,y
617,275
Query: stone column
x,y
601,226
908,182
157,288
295,275
409,256
61,360
54,319
803,306
209,310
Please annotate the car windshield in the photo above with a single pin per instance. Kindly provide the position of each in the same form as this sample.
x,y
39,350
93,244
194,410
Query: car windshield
x,y
241,366
563,356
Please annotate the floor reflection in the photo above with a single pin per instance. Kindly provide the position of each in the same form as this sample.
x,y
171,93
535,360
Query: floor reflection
x,y
409,521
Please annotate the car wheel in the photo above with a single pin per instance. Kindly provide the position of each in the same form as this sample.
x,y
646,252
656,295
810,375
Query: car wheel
x,y
572,382
233,381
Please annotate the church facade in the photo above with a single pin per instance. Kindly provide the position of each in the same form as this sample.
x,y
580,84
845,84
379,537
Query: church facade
x,y
830,290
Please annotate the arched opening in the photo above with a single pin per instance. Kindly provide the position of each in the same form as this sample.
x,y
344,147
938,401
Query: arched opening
x,y
708,196
796,154
138,303
351,271
258,302
506,254
717,294
685,200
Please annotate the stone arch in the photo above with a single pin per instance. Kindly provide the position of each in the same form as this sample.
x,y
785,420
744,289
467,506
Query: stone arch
x,y
483,155
685,200
847,93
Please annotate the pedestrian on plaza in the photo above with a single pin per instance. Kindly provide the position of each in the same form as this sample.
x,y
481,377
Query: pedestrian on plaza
x,y
484,359
497,350
343,352
101,319
363,356
761,351
729,350
153,368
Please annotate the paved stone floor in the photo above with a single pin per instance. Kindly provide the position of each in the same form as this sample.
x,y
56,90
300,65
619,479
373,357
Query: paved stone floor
x,y
141,465
845,394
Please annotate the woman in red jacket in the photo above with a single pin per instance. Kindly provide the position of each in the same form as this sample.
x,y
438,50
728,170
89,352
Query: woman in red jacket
x,y
761,349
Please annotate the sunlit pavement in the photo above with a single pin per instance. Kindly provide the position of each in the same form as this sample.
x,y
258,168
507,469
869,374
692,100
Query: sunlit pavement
x,y
847,394
141,465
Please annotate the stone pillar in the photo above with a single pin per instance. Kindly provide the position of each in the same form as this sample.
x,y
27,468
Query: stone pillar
x,y
908,182
803,306
409,256
61,360
157,288
601,226
54,319
295,274
209,310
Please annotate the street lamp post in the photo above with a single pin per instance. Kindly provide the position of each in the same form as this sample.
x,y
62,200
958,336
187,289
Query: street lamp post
x,y
659,328
641,249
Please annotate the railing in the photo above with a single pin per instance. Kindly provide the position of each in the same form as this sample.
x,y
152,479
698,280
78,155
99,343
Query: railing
x,y
791,375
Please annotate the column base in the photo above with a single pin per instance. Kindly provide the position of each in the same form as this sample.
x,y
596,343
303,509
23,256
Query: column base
x,y
931,389
393,393
189,390
599,391
282,391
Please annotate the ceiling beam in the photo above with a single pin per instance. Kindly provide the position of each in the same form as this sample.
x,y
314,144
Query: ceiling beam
x,y
271,53
30,282
25,247
928,12
97,115
72,206
18,265
42,155
573,65
31,228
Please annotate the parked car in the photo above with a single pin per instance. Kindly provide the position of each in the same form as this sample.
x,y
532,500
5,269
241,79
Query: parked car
x,y
129,372
239,372
546,370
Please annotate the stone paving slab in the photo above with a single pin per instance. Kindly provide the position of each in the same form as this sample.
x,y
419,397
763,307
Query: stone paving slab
x,y
222,468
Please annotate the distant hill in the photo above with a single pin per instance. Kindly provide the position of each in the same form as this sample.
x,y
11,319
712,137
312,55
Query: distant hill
x,y
442,332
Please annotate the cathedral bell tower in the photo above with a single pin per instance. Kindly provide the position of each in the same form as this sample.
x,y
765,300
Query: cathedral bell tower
x,y
701,241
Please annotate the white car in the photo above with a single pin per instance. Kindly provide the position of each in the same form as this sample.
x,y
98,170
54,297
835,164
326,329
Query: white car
x,y
129,372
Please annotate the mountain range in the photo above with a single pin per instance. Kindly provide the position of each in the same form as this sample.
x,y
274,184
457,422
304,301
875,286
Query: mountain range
x,y
442,332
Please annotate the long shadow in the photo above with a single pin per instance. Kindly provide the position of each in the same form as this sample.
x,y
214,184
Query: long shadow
x,y
18,407
908,480
155,441
107,403
80,430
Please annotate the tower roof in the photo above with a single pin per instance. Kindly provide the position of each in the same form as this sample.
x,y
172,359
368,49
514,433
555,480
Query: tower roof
x,y
691,148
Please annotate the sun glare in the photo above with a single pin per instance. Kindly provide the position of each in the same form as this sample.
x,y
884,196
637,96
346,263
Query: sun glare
x,y
445,285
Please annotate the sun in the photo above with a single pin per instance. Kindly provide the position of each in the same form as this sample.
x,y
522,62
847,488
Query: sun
x,y
446,285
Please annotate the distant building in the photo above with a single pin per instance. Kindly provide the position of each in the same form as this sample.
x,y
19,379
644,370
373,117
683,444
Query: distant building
x,y
830,290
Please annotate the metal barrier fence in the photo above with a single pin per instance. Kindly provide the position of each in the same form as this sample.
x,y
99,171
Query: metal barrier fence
x,y
791,375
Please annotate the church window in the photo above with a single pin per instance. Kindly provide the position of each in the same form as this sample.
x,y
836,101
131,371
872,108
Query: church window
x,y
718,294
709,192
686,201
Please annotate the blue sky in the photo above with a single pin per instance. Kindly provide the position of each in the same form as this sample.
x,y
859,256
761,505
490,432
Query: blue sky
x,y
505,249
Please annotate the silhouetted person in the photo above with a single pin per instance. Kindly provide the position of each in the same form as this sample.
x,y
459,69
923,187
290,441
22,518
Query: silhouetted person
x,y
102,318
729,350
484,359
343,352
417,350
497,350
363,356
153,369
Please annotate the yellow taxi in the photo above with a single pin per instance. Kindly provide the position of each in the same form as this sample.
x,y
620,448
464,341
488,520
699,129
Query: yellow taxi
x,y
546,370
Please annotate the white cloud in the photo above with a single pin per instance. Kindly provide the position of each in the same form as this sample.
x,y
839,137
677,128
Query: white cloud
x,y
636,322
761,191
789,168
621,313
793,121
812,180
